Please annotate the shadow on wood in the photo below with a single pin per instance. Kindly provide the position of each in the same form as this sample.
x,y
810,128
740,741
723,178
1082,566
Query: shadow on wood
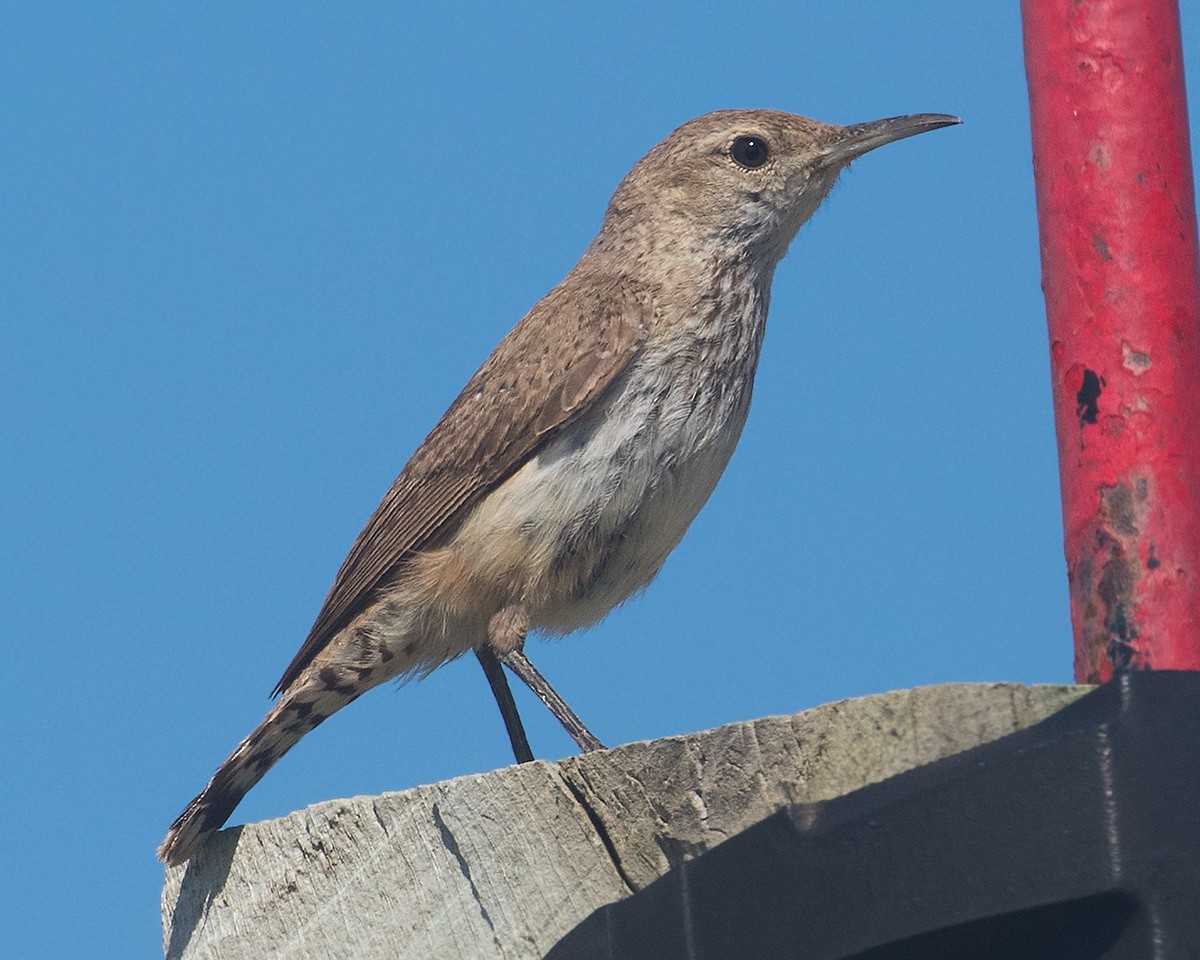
x,y
504,864
1074,839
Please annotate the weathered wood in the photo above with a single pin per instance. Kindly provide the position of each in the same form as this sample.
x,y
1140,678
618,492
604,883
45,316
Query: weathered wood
x,y
502,864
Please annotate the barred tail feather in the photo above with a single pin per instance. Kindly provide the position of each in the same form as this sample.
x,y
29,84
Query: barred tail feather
x,y
301,709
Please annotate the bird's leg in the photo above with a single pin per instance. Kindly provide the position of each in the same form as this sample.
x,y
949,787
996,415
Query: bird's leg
x,y
506,635
518,663
504,699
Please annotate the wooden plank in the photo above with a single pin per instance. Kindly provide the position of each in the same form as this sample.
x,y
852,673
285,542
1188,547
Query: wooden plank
x,y
503,864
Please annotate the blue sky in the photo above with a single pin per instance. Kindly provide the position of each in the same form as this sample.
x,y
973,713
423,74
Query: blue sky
x,y
253,251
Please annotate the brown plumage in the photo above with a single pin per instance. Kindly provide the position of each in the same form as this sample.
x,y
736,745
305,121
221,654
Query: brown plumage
x,y
573,461
524,391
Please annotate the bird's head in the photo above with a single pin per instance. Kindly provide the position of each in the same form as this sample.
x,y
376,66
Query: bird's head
x,y
740,182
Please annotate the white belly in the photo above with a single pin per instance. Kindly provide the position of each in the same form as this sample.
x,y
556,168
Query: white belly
x,y
599,509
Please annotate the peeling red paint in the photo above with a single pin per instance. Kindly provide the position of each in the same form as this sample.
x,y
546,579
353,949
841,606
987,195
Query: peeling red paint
x,y
1116,212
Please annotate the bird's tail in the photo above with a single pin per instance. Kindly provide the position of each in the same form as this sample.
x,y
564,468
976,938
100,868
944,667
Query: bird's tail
x,y
306,704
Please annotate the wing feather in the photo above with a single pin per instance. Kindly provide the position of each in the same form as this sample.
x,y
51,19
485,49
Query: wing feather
x,y
530,387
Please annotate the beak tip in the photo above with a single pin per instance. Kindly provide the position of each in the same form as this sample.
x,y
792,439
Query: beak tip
x,y
861,138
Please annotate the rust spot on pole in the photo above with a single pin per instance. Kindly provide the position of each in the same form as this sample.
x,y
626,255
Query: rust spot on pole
x,y
1105,580
1087,398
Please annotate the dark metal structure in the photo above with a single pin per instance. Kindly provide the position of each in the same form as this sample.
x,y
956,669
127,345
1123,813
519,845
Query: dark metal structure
x,y
1075,838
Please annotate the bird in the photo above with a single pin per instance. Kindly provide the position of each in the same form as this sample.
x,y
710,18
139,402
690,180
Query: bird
x,y
576,457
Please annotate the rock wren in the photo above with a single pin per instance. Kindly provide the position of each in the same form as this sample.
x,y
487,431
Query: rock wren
x,y
576,457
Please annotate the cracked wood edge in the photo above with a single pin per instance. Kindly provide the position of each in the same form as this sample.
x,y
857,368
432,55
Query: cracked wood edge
x,y
502,864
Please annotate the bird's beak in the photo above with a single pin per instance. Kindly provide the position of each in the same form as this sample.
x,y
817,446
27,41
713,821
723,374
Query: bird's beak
x,y
857,139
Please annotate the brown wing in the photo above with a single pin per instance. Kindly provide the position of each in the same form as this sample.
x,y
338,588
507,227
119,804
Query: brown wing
x,y
550,367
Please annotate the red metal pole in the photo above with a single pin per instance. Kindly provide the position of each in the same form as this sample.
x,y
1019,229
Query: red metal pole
x,y
1117,218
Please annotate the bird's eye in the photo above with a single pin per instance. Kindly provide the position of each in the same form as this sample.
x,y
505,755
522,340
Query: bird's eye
x,y
749,152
